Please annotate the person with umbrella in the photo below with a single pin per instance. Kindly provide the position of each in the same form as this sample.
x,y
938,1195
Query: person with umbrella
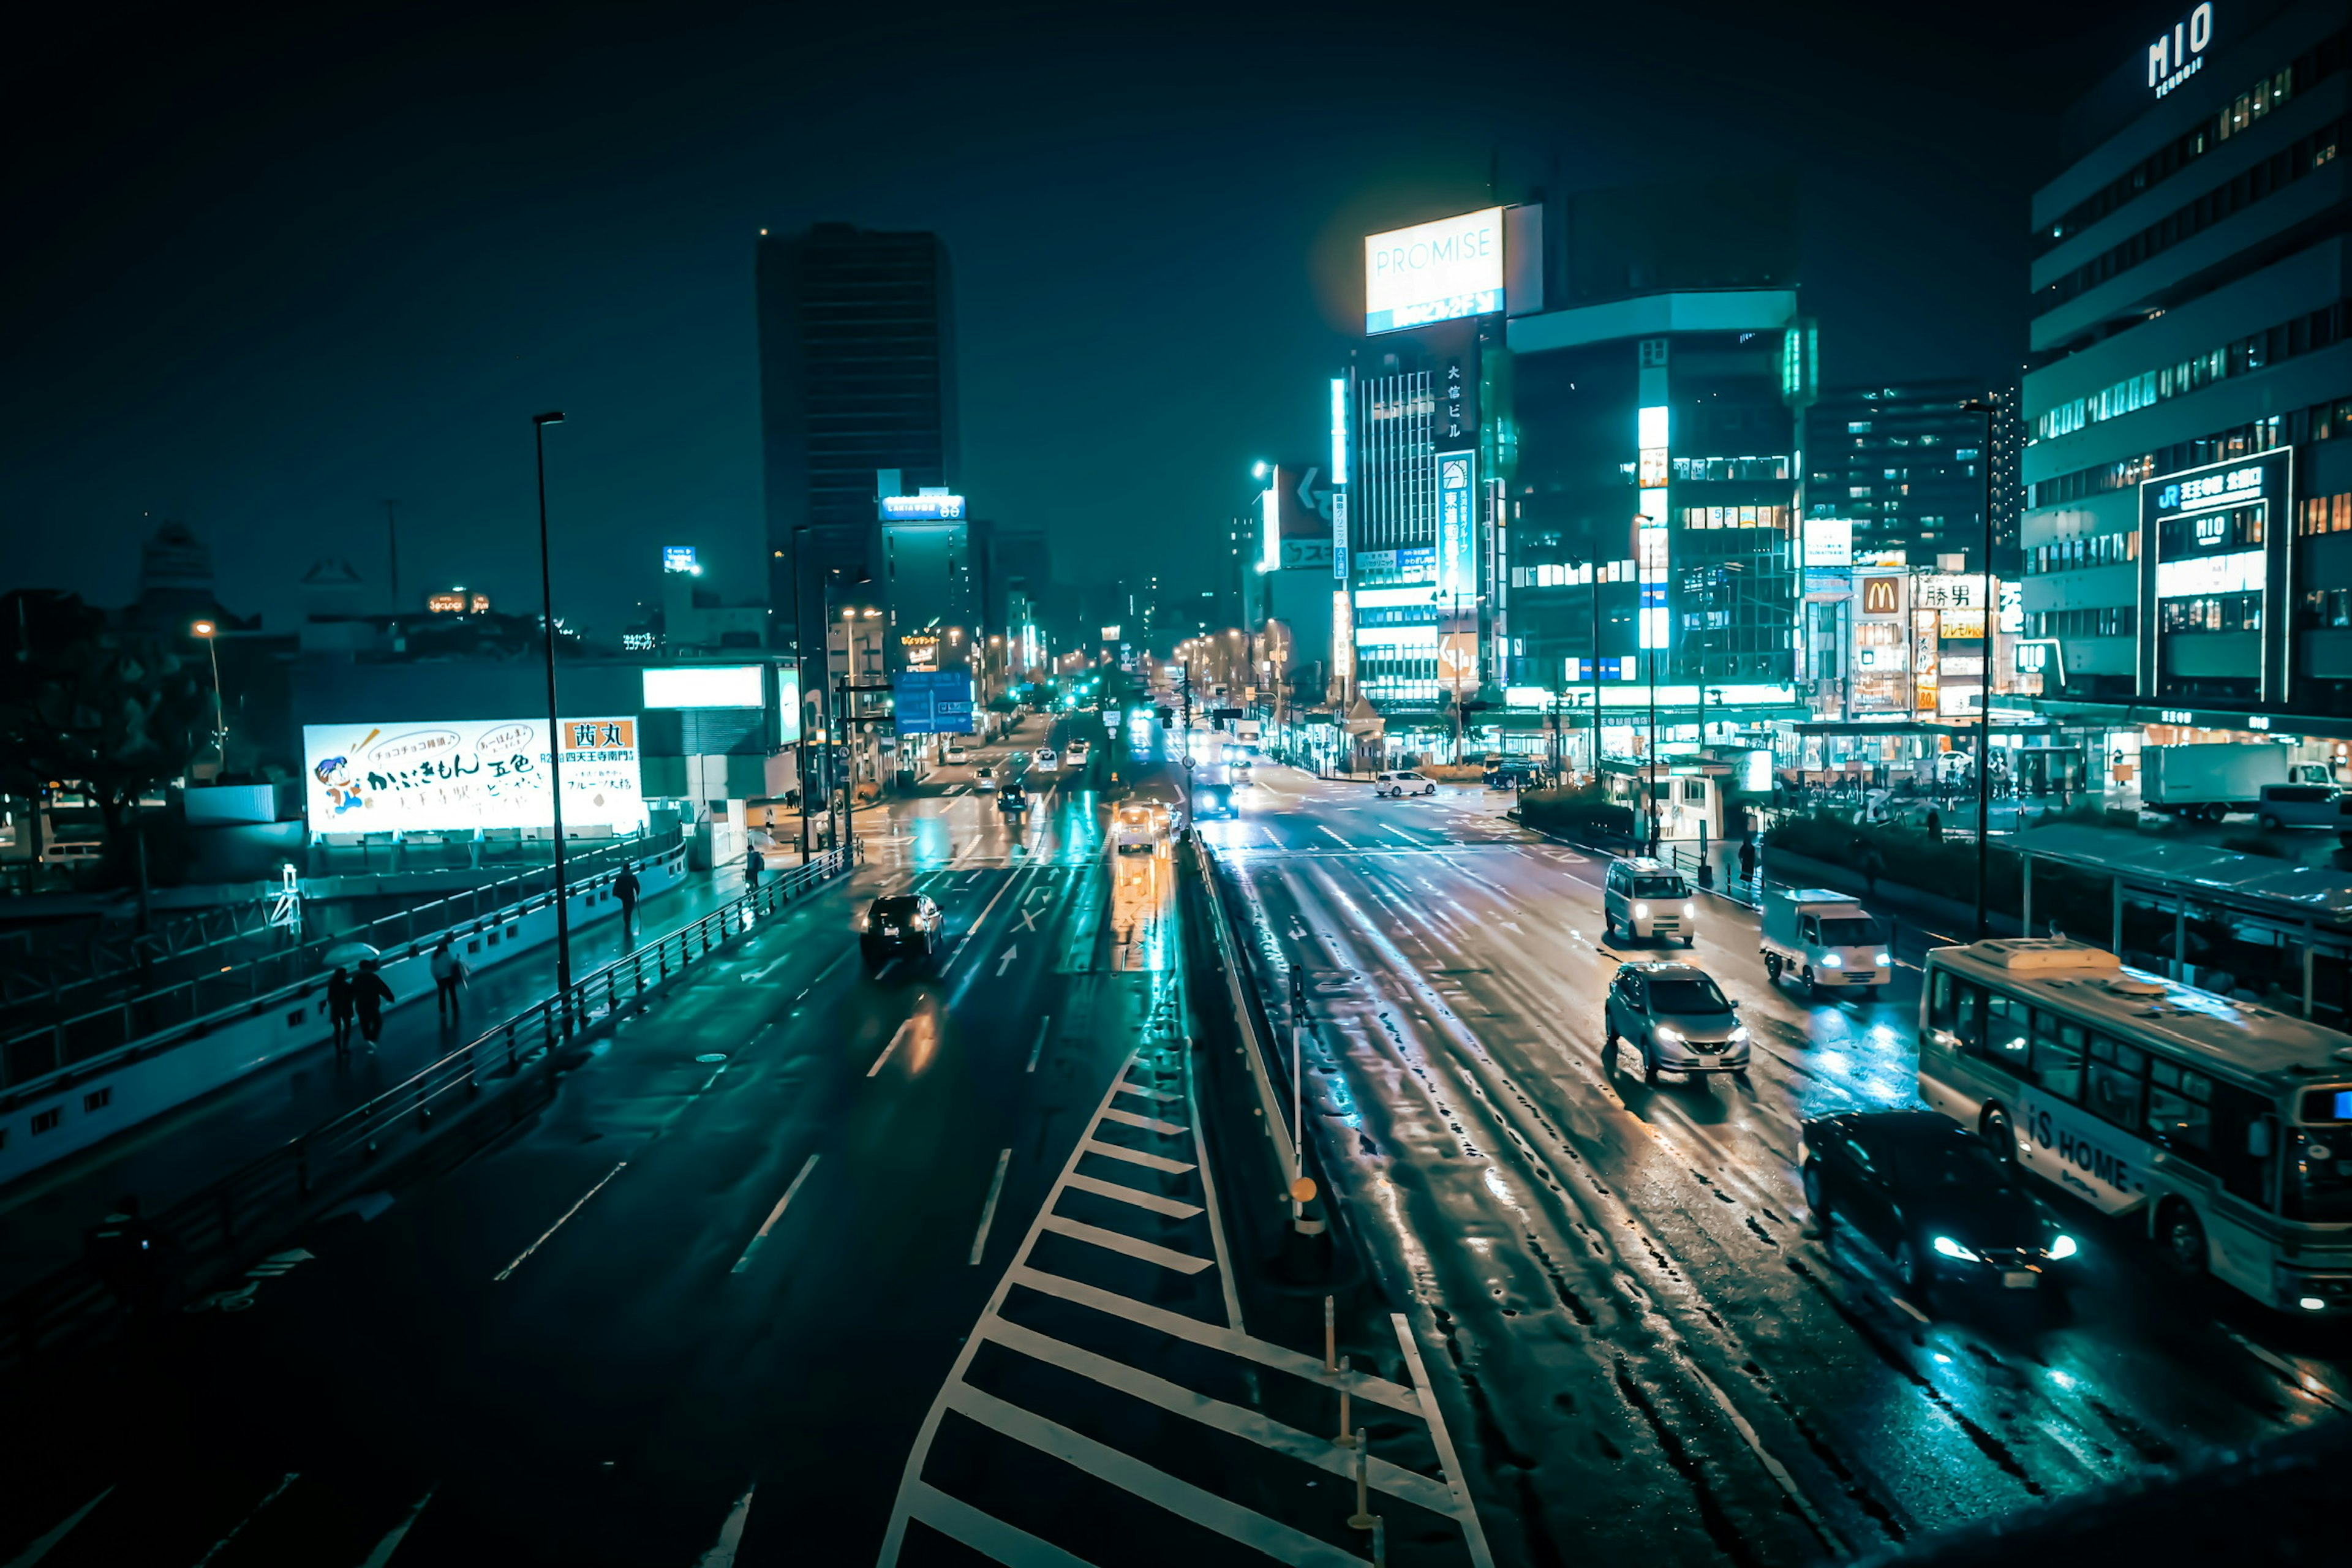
x,y
370,992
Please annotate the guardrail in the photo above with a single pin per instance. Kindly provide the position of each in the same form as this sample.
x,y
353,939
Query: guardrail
x,y
65,1042
516,1063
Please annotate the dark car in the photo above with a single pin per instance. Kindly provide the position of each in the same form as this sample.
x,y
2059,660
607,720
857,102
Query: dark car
x,y
1512,775
1932,1200
1677,1018
899,925
1013,797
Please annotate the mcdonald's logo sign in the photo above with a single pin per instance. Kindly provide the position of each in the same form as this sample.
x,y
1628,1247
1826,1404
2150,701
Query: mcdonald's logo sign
x,y
1881,596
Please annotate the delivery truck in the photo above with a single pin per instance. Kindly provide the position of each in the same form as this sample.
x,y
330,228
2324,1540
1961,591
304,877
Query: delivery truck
x,y
1823,938
2212,781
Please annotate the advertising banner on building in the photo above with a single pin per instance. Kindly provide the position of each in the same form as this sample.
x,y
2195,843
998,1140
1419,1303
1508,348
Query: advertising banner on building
x,y
933,702
1434,271
1457,526
455,777
1457,661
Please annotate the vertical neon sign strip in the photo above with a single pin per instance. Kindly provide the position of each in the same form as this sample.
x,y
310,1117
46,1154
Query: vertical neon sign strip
x,y
1339,430
1270,524
1457,561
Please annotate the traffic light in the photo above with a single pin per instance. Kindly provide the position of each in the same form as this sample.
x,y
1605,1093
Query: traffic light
x,y
1219,715
1167,716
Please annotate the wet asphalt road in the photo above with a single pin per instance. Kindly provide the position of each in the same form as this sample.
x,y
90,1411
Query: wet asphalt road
x,y
1665,1361
586,1344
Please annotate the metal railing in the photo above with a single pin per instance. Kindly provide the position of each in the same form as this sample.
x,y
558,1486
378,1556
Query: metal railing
x,y
515,1064
80,1037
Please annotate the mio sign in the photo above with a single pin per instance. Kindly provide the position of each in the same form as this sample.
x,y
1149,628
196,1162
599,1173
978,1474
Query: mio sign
x,y
2177,54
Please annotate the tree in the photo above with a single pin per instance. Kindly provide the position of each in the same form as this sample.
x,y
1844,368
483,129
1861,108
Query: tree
x,y
117,714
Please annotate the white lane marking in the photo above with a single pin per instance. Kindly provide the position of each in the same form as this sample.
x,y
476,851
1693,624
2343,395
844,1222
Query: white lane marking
x,y
1272,1537
987,909
1335,837
1474,1535
1134,1157
1174,1208
1218,1416
988,1210
1113,1241
40,1549
239,1528
2302,1380
730,1534
1039,1048
1162,1096
1028,920
1149,1123
551,1230
1270,836
399,1532
1907,1307
1362,1384
1005,962
773,1215
983,1532
765,970
893,1046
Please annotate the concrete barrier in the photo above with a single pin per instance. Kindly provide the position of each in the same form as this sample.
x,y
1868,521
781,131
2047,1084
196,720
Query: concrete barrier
x,y
49,1117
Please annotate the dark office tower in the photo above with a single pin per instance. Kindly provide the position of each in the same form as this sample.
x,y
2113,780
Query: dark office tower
x,y
856,375
1906,463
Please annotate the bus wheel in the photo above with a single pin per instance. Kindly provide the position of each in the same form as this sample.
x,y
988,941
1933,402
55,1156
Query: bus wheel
x,y
2183,1236
1999,1137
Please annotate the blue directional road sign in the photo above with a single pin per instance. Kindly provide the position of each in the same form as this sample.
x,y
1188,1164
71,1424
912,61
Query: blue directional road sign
x,y
933,702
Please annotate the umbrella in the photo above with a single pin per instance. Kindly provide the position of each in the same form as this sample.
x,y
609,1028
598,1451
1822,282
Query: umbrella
x,y
348,954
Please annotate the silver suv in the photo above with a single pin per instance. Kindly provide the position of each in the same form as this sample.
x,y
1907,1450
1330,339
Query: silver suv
x,y
1677,1018
1647,897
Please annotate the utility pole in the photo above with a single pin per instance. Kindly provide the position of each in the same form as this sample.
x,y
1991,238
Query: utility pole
x,y
539,423
1984,691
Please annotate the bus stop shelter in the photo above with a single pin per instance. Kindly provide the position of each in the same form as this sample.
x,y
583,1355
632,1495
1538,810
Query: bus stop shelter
x,y
2248,925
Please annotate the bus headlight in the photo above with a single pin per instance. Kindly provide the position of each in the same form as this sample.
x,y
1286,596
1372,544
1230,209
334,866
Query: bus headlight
x,y
1950,1248
1640,911
1831,961
2063,1248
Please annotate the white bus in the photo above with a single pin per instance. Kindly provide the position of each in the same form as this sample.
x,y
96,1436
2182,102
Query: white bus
x,y
2227,1125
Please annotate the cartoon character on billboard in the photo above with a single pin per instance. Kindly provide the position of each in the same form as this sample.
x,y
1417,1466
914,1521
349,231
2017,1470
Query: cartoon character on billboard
x,y
342,791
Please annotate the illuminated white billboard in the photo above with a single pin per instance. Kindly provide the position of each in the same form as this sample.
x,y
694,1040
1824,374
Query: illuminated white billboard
x,y
478,773
1434,271
704,685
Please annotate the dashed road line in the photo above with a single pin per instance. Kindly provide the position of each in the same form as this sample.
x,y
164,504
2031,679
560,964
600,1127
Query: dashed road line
x,y
775,1215
521,1257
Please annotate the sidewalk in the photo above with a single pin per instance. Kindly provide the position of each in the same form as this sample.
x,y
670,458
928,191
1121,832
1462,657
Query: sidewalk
x,y
43,1216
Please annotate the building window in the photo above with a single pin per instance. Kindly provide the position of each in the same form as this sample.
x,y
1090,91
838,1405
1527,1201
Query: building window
x,y
2327,514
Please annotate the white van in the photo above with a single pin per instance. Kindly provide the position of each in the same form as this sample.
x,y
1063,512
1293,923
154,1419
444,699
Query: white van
x,y
1403,783
1824,939
1648,897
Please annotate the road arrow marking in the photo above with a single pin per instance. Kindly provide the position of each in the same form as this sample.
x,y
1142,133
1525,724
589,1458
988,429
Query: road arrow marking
x,y
1006,962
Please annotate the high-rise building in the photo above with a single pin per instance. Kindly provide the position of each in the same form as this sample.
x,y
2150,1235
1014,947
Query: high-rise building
x,y
2188,530
1906,464
857,376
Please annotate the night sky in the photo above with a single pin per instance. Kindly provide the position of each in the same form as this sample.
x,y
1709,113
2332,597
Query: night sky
x,y
268,269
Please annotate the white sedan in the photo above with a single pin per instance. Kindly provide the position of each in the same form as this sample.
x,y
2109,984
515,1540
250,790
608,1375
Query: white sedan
x,y
1044,758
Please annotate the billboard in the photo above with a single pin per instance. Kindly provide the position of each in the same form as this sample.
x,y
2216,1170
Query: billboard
x,y
1434,271
704,685
423,776
1457,661
1829,541
922,507
932,702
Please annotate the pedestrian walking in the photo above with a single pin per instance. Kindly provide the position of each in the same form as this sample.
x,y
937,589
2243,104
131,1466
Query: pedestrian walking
x,y
341,999
753,864
1748,860
371,994
449,973
1935,825
1872,863
625,889
127,1253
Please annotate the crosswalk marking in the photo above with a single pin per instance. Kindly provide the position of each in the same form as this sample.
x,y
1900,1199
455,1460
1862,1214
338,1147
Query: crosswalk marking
x,y
1159,1094
1182,1497
983,1532
1116,1241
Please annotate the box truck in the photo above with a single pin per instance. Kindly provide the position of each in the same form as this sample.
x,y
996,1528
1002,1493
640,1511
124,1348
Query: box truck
x,y
2212,781
1823,938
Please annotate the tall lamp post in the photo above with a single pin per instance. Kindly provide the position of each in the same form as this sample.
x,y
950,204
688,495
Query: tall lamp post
x,y
1984,691
800,679
539,423
211,634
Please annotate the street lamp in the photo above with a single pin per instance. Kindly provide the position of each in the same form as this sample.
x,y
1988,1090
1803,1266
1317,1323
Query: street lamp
x,y
211,634
1984,682
539,423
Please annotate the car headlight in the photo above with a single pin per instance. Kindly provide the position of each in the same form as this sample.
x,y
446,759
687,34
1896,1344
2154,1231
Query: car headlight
x,y
921,922
1640,911
1738,1036
1690,911
1668,1033
1950,1248
1885,960
1831,961
2064,1248
865,922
